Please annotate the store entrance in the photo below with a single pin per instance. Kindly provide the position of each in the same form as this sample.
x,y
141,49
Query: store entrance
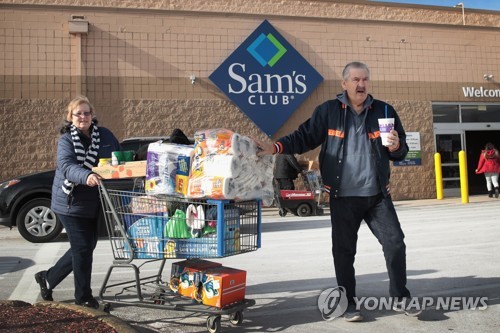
x,y
475,141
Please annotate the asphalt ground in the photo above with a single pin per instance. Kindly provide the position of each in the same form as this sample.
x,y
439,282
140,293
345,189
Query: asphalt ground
x,y
452,251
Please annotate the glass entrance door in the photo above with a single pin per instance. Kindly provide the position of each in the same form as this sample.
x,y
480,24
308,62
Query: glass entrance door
x,y
449,145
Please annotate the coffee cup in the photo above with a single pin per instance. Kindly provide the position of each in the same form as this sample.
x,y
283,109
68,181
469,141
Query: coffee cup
x,y
385,126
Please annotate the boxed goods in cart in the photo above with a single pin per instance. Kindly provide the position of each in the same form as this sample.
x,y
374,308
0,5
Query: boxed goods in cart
x,y
201,201
225,165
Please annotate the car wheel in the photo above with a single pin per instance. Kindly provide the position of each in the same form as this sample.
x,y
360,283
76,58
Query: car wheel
x,y
37,223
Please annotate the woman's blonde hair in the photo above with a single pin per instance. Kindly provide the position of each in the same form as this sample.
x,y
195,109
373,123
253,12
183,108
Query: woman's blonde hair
x,y
77,101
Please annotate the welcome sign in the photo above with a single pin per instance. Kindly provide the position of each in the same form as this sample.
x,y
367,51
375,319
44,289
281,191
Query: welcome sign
x,y
266,78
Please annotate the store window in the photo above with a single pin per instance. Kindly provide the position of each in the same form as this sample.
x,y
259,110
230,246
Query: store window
x,y
466,113
446,113
480,113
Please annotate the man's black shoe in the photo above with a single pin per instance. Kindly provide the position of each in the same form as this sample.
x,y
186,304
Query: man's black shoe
x,y
93,303
41,279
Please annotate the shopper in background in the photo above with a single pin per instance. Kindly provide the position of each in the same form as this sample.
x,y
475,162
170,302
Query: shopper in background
x,y
286,170
355,169
75,198
489,164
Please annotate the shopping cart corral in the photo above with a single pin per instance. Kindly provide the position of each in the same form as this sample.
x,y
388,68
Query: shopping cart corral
x,y
144,229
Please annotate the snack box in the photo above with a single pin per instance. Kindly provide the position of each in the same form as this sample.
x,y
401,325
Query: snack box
x,y
223,286
127,170
186,275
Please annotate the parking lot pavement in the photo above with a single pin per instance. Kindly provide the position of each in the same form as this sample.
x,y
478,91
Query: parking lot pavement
x,y
451,252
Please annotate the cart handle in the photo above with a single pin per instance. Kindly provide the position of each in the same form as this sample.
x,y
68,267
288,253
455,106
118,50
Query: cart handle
x,y
105,193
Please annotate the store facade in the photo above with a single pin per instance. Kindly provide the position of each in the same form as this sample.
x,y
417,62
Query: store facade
x,y
146,67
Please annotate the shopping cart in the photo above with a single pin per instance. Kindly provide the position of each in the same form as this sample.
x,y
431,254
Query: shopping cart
x,y
301,202
146,229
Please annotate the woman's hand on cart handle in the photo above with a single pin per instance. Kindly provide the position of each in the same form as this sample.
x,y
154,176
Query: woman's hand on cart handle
x,y
265,148
93,180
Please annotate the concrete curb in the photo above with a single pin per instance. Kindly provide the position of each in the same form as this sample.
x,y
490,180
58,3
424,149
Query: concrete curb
x,y
119,325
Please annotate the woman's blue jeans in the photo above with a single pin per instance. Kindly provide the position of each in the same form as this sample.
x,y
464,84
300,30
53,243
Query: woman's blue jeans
x,y
378,212
82,235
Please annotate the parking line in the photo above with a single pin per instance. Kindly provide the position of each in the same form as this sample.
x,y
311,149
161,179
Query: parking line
x,y
27,289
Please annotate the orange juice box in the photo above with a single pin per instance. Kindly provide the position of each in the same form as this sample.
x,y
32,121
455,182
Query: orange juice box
x,y
186,275
223,285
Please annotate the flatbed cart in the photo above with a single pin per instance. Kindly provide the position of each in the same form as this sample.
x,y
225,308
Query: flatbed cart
x,y
301,202
144,228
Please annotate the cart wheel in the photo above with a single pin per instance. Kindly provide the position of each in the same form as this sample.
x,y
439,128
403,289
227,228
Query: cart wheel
x,y
303,210
282,212
106,307
157,297
319,211
236,318
213,324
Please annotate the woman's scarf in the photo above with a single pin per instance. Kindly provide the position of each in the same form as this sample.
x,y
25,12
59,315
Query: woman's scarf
x,y
87,159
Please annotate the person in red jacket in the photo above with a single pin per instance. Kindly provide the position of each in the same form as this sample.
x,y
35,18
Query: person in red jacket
x,y
489,164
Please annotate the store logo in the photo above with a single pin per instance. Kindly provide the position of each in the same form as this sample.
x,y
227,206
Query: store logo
x,y
267,50
266,78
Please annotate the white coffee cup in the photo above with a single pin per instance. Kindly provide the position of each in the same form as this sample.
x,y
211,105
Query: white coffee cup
x,y
385,126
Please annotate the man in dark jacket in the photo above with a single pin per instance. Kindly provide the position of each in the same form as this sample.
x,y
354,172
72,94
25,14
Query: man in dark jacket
x,y
355,169
286,170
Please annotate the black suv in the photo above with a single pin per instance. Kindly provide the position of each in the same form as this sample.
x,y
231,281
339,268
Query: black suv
x,y
25,200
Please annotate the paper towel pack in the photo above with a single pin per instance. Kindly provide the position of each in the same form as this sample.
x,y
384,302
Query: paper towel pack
x,y
225,165
167,168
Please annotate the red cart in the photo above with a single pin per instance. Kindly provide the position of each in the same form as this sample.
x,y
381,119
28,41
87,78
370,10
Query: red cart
x,y
301,202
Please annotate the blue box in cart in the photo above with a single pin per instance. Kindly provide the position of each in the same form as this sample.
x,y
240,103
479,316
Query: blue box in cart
x,y
146,236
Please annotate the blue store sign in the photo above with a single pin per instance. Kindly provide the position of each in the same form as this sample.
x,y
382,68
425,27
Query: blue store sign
x,y
266,78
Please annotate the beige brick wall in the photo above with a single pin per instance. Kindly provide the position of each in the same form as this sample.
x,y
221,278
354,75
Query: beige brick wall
x,y
137,60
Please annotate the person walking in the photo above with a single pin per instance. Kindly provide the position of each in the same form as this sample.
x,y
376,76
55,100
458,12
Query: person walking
x,y
75,198
286,170
355,169
489,164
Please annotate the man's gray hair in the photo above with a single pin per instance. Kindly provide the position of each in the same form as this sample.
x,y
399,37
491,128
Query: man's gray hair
x,y
354,64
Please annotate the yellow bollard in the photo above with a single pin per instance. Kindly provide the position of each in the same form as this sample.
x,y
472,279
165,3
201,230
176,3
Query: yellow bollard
x,y
439,176
464,184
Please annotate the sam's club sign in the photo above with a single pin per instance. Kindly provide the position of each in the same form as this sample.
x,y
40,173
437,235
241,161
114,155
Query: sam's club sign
x,y
266,78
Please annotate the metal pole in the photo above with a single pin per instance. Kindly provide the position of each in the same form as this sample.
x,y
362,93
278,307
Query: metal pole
x,y
461,4
463,13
